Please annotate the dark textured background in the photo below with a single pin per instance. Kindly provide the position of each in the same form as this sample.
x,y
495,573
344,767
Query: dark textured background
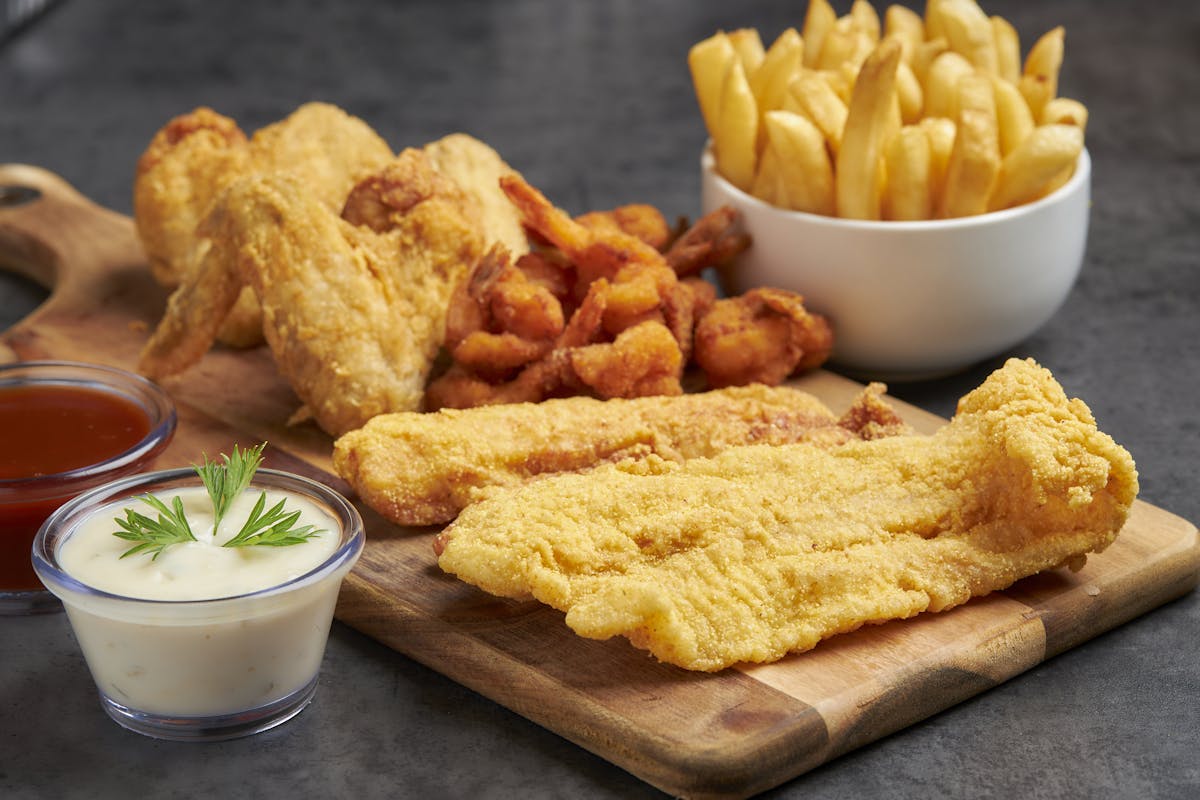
x,y
592,101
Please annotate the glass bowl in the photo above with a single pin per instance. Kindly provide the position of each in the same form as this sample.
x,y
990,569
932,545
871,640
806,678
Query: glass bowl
x,y
202,669
30,491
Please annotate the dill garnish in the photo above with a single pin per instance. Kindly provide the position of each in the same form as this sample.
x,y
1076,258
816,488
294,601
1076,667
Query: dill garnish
x,y
225,481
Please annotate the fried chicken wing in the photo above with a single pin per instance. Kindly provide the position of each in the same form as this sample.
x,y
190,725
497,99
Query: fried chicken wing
x,y
422,469
187,164
477,169
763,550
353,313
196,156
327,149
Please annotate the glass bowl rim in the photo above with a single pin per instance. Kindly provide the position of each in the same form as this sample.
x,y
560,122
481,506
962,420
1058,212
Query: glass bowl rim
x,y
45,563
139,389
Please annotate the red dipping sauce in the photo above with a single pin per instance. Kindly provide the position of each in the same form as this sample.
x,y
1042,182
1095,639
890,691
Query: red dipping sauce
x,y
65,428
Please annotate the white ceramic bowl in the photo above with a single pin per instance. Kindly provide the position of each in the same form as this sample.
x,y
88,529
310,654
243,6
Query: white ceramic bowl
x,y
915,299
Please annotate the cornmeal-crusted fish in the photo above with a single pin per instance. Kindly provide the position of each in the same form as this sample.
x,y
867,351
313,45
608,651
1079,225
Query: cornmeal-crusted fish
x,y
421,469
763,550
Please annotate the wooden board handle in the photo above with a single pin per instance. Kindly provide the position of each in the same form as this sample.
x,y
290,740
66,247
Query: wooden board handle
x,y
55,236
79,251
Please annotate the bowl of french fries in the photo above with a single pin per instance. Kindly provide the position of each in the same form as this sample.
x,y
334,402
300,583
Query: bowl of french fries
x,y
913,176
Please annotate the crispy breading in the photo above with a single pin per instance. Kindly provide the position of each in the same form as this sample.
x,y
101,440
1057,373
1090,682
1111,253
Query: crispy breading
x,y
421,469
194,157
477,169
353,306
764,550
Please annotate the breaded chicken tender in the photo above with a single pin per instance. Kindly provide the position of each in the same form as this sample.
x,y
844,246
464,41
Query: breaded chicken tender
x,y
421,469
764,550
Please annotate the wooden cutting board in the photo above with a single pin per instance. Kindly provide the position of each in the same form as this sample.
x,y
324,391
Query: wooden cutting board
x,y
729,734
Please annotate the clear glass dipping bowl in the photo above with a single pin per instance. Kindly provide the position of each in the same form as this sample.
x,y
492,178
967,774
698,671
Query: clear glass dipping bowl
x,y
25,503
202,670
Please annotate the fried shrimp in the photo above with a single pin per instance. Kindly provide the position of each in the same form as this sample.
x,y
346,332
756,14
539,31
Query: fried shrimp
x,y
613,299
764,335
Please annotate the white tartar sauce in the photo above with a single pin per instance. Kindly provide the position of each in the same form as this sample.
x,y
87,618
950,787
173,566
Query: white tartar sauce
x,y
198,570
224,648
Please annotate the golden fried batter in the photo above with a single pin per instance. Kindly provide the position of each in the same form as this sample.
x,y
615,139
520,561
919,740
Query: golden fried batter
x,y
477,168
763,550
764,335
353,313
421,469
196,156
185,166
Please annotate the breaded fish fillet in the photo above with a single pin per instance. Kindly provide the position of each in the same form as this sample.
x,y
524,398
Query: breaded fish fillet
x,y
421,469
759,551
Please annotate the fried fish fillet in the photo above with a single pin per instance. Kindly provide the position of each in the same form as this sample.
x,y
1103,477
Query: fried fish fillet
x,y
764,550
353,306
422,469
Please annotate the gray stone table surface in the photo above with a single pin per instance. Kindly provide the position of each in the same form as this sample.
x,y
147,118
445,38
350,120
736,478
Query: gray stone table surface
x,y
592,101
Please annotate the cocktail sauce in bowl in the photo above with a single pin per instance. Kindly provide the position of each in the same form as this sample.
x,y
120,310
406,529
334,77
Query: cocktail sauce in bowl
x,y
66,427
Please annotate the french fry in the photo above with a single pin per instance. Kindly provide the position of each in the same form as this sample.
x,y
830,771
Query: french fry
x,y
817,100
974,92
906,25
910,94
844,44
859,161
941,133
749,47
935,27
1048,152
924,56
769,82
1039,80
909,166
806,172
865,18
736,139
969,32
1065,111
818,21
768,181
708,61
1012,115
974,165
899,115
941,84
1008,49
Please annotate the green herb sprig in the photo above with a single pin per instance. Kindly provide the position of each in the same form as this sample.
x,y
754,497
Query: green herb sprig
x,y
225,481
154,536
